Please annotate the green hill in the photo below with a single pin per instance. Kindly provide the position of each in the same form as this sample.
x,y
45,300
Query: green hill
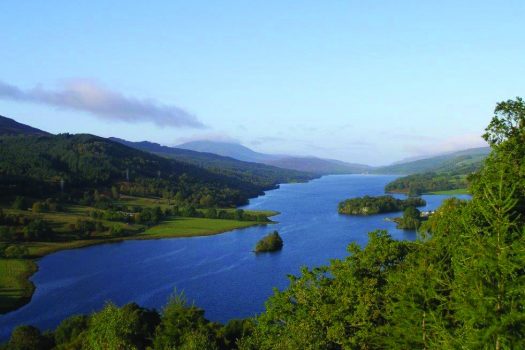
x,y
320,166
314,165
9,126
257,173
461,162
35,165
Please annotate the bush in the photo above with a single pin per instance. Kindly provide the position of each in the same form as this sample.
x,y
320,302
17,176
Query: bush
x,y
7,234
211,213
116,230
20,203
37,229
28,338
238,215
16,252
368,205
411,219
69,330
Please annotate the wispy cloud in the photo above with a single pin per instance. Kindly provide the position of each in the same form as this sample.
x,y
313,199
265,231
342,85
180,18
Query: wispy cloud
x,y
211,136
89,96
266,139
450,144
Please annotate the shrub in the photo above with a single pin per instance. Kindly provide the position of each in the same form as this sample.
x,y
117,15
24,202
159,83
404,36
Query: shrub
x,y
16,252
20,203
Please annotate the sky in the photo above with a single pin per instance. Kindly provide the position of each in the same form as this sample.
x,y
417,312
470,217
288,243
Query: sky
x,y
361,81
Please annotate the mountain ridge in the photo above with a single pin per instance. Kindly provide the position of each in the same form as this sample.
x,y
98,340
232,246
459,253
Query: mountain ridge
x,y
310,164
10,126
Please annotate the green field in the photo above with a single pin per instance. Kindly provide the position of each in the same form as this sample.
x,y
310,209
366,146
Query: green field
x,y
15,287
188,227
452,192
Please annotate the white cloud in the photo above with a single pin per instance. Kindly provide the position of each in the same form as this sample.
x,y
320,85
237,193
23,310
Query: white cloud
x,y
450,144
88,96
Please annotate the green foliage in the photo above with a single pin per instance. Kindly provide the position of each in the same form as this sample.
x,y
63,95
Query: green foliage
x,y
211,213
36,165
491,258
16,252
28,338
508,123
462,162
38,230
238,215
129,327
411,219
262,175
19,203
417,184
70,332
184,326
334,307
269,243
150,216
235,330
368,205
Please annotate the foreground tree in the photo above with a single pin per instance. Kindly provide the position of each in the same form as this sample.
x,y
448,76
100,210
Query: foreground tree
x,y
129,327
29,338
183,326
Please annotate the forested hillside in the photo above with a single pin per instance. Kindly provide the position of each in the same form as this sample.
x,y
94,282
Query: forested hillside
x,y
460,286
9,126
438,174
257,173
418,184
314,165
36,165
461,162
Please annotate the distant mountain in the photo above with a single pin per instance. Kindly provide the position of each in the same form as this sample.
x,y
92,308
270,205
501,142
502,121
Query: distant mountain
x,y
34,165
10,126
460,162
320,166
33,162
313,165
228,149
259,173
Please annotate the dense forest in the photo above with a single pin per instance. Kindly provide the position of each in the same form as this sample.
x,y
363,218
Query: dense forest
x,y
368,205
257,173
40,165
461,162
417,184
442,173
460,286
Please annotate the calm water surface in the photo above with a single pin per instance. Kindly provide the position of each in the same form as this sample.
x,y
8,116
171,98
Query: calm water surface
x,y
220,273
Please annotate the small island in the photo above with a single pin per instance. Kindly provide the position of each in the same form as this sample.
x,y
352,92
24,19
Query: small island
x,y
270,243
412,219
369,205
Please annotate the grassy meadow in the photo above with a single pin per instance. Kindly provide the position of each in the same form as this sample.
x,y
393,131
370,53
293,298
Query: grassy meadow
x,y
15,287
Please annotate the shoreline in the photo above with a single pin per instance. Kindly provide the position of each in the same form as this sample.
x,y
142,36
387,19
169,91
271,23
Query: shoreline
x,y
55,247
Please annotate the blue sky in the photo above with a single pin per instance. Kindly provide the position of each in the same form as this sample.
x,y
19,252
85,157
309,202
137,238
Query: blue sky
x,y
361,81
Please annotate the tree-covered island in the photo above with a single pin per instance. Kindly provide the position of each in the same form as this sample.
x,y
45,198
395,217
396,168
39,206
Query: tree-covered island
x,y
270,243
369,205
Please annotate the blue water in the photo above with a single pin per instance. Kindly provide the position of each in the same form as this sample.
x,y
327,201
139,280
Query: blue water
x,y
220,273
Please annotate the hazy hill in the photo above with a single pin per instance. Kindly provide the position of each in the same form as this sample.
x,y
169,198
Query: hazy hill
x,y
259,173
308,164
320,166
461,162
229,149
9,126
